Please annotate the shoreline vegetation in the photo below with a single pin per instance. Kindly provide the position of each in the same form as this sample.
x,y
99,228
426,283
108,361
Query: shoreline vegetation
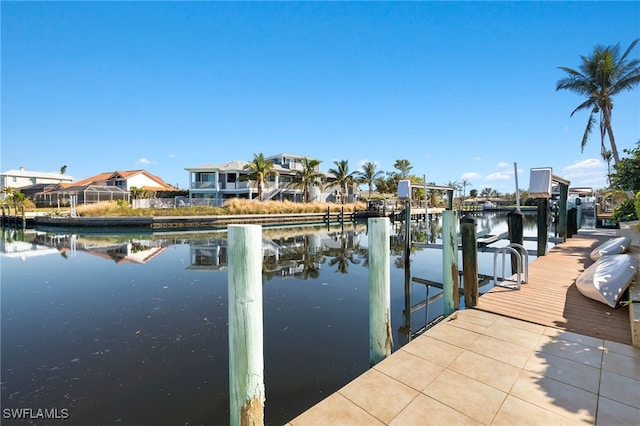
x,y
231,207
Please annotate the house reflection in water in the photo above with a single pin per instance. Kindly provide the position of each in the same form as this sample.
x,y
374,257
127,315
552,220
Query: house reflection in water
x,y
208,255
120,249
287,253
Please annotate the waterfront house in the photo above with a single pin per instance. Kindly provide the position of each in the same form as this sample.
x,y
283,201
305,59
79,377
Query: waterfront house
x,y
211,184
21,178
126,180
109,186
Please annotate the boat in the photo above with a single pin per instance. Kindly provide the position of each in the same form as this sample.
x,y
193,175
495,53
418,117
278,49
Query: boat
x,y
617,245
608,278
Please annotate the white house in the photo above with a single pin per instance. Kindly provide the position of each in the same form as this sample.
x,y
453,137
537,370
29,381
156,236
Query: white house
x,y
211,184
19,178
128,179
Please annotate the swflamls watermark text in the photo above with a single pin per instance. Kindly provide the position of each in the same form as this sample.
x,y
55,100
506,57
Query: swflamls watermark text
x,y
35,413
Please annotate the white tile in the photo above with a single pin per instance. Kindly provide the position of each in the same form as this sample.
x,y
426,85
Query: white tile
x,y
560,398
571,350
620,388
570,372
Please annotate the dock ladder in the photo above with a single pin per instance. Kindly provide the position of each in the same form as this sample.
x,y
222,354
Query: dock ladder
x,y
523,264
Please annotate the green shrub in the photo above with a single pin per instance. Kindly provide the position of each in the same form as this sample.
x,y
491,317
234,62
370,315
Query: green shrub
x,y
626,211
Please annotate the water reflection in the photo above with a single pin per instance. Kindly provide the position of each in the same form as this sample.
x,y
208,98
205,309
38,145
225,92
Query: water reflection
x,y
285,253
127,329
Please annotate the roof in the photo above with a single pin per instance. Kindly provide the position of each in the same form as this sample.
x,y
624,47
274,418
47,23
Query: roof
x,y
126,174
300,157
236,165
43,175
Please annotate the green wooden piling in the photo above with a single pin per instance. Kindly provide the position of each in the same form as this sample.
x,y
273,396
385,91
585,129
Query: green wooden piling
x,y
450,262
380,335
246,359
468,229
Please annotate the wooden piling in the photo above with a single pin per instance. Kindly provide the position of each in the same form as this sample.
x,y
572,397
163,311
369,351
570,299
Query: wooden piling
x,y
450,262
468,229
543,232
562,211
572,224
380,335
407,232
515,220
246,358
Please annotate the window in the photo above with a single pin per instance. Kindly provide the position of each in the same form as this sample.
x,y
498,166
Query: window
x,y
231,177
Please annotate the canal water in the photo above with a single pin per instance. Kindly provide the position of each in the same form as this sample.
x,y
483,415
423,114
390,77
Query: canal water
x,y
132,328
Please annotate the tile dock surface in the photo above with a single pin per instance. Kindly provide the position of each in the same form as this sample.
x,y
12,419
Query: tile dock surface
x,y
480,368
518,367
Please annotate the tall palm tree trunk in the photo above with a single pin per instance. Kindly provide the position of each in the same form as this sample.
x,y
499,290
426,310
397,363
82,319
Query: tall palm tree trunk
x,y
606,114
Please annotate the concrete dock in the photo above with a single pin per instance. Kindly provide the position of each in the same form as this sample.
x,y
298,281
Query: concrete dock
x,y
480,367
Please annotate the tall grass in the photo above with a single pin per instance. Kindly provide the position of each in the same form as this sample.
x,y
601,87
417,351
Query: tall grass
x,y
231,207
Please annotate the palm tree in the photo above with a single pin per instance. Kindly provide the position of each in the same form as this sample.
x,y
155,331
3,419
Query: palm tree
x,y
369,174
606,155
601,76
308,177
404,166
342,177
464,184
260,169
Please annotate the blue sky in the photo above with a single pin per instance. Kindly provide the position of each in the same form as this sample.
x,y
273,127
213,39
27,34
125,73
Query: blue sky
x,y
460,89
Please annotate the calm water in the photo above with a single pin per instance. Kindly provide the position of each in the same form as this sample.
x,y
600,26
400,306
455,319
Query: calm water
x,y
132,329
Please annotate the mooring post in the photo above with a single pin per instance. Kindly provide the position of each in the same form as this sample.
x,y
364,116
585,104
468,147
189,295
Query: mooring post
x,y
246,358
562,211
407,232
450,290
468,229
572,222
543,217
380,335
515,218
579,214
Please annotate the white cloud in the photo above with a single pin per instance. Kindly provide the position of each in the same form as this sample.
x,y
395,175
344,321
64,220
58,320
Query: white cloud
x,y
477,158
471,176
144,161
497,176
171,156
591,172
503,165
